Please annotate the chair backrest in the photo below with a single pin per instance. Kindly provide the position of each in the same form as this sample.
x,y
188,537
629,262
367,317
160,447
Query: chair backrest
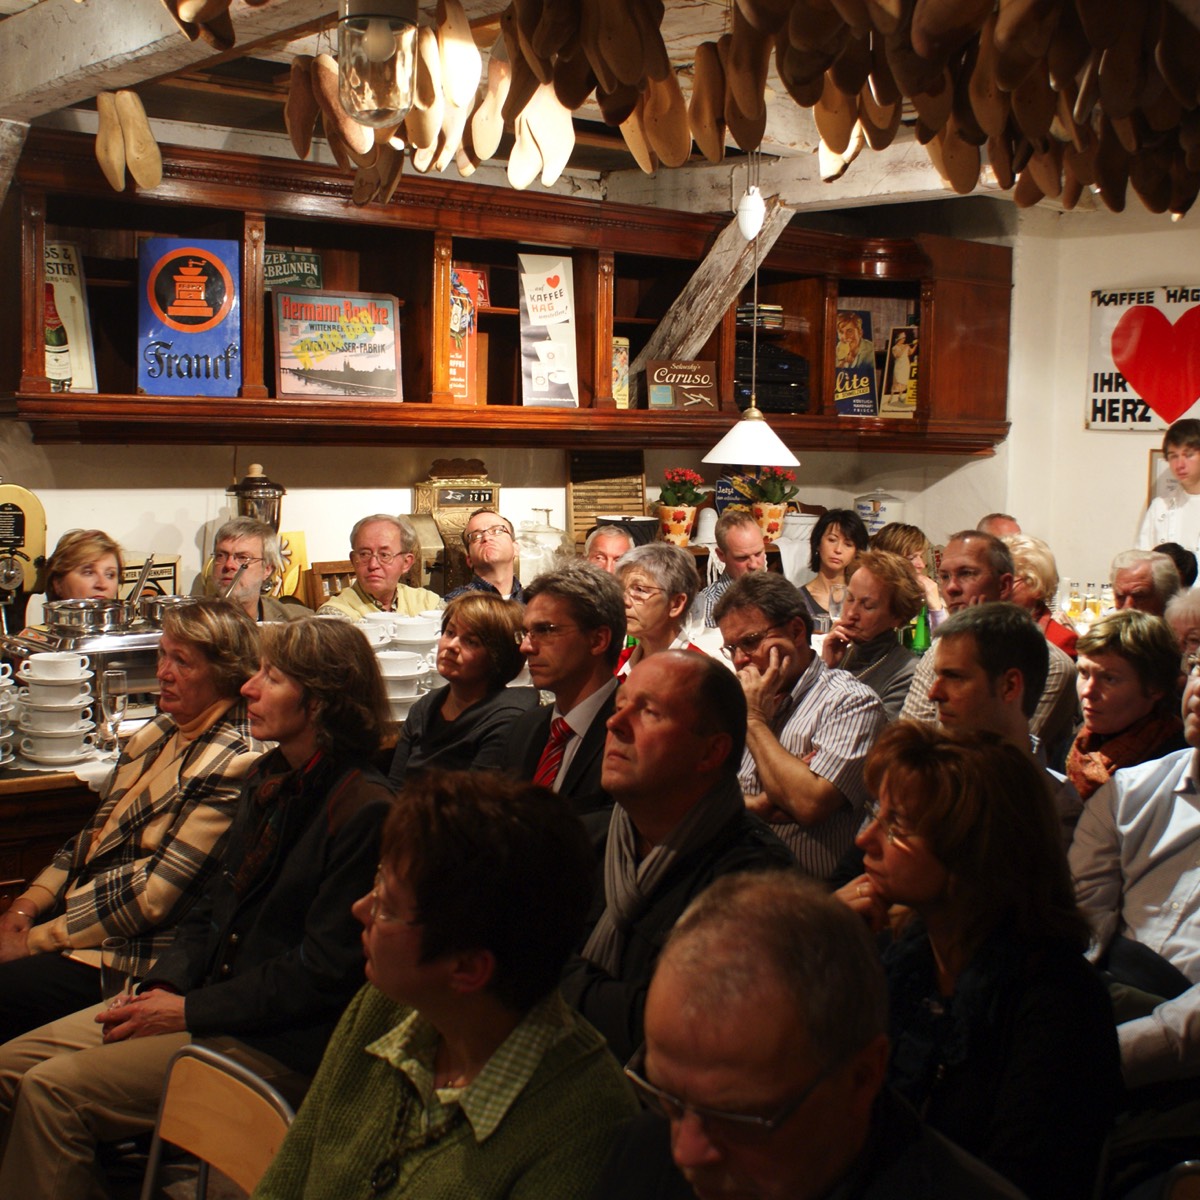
x,y
1182,1181
222,1113
323,580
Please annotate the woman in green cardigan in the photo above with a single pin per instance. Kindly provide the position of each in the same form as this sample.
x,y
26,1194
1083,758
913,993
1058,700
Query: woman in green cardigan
x,y
458,1072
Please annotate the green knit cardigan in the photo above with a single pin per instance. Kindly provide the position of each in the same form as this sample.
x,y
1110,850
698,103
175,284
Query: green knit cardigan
x,y
550,1145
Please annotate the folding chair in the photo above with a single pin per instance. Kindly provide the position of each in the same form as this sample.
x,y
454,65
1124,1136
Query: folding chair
x,y
221,1113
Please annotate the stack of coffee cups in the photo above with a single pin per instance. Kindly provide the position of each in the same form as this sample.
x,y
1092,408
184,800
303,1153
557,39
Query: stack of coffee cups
x,y
8,706
56,708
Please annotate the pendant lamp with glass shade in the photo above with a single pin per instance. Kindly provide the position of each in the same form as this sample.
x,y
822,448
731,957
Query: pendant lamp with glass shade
x,y
752,442
377,57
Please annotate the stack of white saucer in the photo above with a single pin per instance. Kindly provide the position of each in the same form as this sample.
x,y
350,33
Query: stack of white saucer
x,y
56,708
8,708
403,674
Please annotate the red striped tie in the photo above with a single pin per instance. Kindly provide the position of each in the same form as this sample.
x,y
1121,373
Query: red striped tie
x,y
552,755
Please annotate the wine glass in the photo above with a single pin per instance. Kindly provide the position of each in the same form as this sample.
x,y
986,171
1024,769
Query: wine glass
x,y
114,699
115,978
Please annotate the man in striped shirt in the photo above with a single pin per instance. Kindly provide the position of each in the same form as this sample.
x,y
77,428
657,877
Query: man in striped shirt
x,y
808,728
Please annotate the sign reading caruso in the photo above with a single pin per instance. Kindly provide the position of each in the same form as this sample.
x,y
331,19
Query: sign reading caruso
x,y
681,383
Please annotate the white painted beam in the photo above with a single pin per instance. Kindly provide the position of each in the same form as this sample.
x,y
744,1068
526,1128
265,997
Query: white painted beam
x,y
12,142
59,52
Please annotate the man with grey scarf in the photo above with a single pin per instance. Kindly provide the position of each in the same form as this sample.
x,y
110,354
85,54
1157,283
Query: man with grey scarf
x,y
675,742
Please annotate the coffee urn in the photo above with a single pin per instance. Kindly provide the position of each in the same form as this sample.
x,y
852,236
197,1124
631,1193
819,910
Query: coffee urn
x,y
256,496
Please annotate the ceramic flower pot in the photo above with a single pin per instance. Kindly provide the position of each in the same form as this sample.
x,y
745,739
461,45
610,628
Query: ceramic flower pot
x,y
769,517
675,522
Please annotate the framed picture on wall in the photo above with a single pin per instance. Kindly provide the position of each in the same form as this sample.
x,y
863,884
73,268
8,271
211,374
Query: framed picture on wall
x,y
336,344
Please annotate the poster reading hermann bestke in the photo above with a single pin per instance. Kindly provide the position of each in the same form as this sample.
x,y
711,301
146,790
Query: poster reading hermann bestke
x,y
549,376
1143,356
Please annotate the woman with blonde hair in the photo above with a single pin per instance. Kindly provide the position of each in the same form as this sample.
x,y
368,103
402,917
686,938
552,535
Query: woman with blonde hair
x,y
1002,1032
910,542
883,595
86,565
157,834
464,725
1035,585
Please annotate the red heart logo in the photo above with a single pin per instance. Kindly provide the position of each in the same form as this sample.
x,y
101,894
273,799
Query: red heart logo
x,y
552,281
1161,361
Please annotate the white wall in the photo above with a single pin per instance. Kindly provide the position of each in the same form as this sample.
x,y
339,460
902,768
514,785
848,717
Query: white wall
x,y
1083,491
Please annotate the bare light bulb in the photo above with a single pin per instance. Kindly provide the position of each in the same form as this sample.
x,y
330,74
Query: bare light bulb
x,y
377,53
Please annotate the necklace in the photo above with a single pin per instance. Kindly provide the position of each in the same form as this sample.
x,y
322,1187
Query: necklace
x,y
386,1172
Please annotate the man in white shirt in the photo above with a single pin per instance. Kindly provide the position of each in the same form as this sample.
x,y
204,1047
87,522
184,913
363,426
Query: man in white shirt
x,y
1175,515
1136,863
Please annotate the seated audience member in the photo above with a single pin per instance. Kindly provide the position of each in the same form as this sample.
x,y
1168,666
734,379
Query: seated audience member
x,y
808,728
245,542
910,542
1133,859
990,663
571,636
1145,580
466,724
1128,669
267,956
605,545
998,525
1002,1031
670,764
837,539
740,549
1184,560
766,1048
1183,616
1175,515
382,551
882,597
491,546
660,582
86,565
1035,586
156,836
977,568
458,1070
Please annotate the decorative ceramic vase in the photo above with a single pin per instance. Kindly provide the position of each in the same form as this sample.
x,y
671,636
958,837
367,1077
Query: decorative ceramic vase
x,y
769,517
675,522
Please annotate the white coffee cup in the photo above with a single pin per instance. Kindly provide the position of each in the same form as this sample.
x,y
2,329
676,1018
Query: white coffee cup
x,y
5,672
64,744
399,664
416,630
55,664
61,694
56,720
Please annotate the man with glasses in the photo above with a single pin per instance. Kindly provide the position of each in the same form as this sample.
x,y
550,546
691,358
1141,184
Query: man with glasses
x,y
491,546
766,1052
382,551
670,762
809,728
574,630
977,568
254,545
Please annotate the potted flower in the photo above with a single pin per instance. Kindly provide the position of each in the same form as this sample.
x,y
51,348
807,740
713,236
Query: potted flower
x,y
678,499
769,491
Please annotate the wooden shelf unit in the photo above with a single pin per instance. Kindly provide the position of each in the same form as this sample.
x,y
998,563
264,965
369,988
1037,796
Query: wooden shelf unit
x,y
629,263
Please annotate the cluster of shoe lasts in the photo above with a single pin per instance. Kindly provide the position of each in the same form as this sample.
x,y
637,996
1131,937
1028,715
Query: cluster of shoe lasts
x,y
124,140
1064,94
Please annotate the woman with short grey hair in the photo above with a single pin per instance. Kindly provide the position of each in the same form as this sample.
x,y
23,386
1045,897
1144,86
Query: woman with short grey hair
x,y
660,581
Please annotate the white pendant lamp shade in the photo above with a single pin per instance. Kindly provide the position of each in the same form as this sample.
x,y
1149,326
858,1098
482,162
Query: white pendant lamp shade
x,y
751,212
752,443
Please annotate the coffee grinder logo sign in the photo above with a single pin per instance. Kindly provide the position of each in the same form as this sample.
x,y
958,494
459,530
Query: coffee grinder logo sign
x,y
190,290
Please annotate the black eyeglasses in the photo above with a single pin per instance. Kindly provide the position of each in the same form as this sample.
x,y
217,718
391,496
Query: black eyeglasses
x,y
748,644
492,531
718,1124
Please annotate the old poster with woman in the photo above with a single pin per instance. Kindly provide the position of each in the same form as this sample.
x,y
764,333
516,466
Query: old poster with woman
x,y
899,397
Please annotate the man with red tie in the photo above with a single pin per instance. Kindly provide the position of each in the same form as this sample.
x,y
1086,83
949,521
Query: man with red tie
x,y
574,631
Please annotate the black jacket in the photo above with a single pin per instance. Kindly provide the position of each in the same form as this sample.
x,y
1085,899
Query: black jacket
x,y
276,966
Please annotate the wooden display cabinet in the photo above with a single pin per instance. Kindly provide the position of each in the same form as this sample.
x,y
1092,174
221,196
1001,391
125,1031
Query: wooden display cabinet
x,y
629,264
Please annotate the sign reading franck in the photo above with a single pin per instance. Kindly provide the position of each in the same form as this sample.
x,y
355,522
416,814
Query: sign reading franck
x,y
189,318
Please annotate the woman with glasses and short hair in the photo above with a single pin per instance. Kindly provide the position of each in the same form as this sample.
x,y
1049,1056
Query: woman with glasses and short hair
x,y
459,1070
1003,1033
660,581
464,725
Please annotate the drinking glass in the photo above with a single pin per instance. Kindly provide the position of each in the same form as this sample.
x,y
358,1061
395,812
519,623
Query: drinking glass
x,y
115,979
114,699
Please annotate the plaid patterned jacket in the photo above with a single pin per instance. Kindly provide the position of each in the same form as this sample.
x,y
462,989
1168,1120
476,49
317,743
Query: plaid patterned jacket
x,y
148,869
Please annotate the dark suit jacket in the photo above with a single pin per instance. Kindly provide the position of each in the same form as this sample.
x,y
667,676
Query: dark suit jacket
x,y
527,737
